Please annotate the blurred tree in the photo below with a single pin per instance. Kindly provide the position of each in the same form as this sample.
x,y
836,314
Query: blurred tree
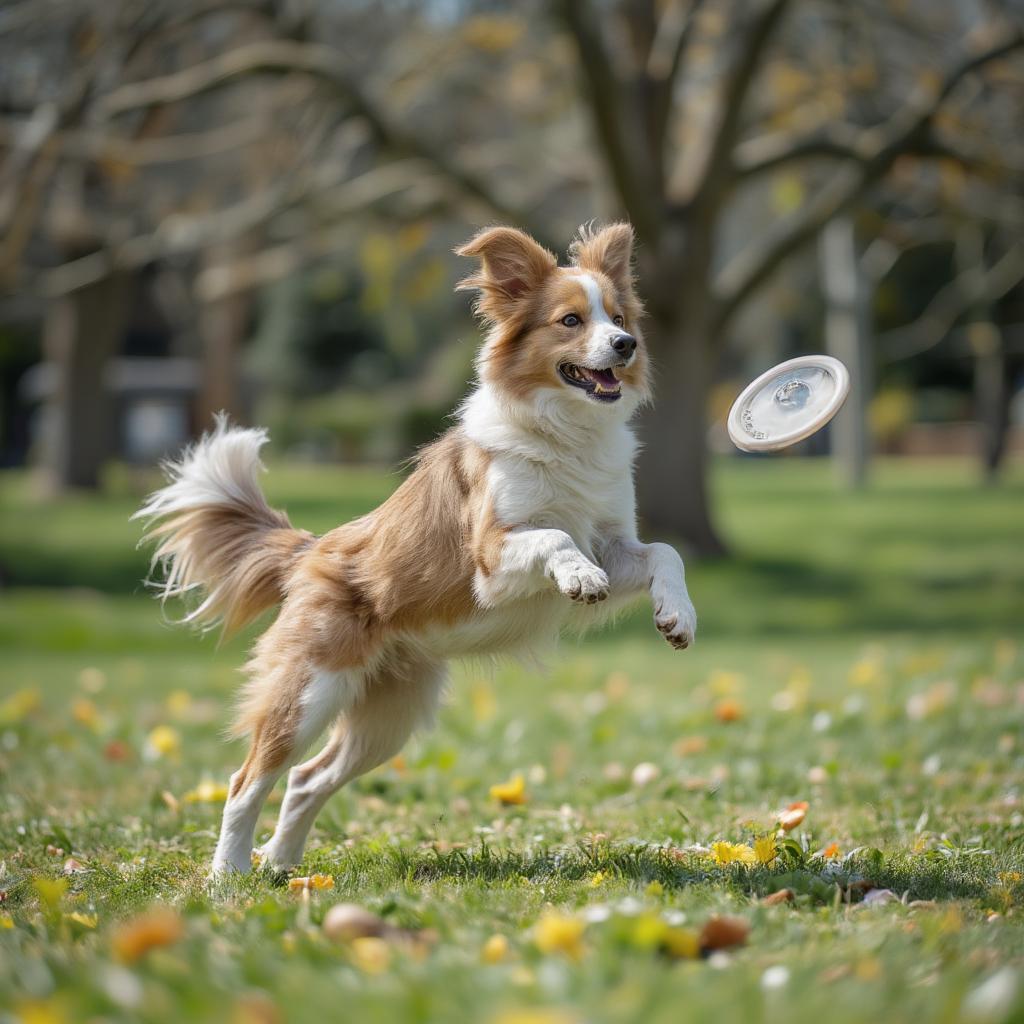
x,y
705,114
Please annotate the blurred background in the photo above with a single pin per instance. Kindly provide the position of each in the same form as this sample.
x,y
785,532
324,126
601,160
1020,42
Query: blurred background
x,y
252,206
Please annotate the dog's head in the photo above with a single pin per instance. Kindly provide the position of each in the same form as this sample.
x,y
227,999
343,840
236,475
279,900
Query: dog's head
x,y
571,333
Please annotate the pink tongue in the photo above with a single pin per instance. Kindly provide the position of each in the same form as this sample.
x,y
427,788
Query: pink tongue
x,y
605,378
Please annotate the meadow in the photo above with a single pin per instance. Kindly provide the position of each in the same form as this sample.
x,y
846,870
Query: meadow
x,y
816,814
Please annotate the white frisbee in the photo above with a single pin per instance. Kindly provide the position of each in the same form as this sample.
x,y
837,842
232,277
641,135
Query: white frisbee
x,y
788,403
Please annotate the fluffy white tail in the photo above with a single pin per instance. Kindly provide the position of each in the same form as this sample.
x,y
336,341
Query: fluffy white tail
x,y
216,533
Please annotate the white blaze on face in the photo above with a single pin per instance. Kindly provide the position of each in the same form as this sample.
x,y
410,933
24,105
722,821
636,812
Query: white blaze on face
x,y
599,349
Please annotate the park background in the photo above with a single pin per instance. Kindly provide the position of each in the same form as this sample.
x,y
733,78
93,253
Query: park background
x,y
252,207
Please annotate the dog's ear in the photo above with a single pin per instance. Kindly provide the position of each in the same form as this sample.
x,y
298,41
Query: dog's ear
x,y
512,264
608,251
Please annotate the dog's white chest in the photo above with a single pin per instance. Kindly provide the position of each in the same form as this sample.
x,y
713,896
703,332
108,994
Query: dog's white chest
x,y
580,493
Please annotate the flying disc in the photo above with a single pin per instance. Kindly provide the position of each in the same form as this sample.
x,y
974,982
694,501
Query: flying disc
x,y
788,403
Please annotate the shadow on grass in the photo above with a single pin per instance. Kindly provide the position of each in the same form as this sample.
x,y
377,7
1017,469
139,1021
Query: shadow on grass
x,y
918,878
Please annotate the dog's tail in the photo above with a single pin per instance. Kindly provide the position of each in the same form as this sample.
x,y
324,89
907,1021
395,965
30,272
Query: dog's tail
x,y
216,533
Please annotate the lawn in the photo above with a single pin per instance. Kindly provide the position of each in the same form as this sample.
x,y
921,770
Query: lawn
x,y
858,653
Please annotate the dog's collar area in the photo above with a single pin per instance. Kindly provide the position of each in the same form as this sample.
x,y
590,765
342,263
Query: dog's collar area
x,y
601,385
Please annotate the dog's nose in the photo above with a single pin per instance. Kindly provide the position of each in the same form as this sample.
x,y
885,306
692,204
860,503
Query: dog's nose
x,y
624,344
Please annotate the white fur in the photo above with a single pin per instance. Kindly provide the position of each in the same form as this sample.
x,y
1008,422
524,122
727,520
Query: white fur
x,y
373,729
563,471
222,468
600,353
561,479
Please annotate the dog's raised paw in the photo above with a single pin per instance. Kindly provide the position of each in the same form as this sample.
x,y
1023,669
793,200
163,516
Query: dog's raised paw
x,y
581,580
678,628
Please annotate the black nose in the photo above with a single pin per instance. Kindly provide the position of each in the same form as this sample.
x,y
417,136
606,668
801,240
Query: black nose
x,y
624,344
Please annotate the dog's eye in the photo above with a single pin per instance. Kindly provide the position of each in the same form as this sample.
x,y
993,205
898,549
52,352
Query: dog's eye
x,y
619,320
571,320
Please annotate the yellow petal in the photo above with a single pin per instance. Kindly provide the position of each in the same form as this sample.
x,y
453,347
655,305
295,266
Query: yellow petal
x,y
371,954
511,792
494,950
163,741
681,943
560,933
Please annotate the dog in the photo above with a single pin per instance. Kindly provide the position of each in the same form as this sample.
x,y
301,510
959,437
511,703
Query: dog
x,y
517,524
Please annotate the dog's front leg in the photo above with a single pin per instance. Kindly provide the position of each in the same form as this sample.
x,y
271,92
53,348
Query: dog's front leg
x,y
531,559
657,568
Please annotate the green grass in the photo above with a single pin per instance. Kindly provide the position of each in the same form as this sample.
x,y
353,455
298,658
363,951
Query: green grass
x,y
869,643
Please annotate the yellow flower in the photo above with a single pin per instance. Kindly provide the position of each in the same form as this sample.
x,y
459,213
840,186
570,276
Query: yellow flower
x,y
178,702
371,954
494,950
85,920
560,933
84,712
648,931
163,741
6,922
157,927
51,891
732,853
654,888
597,878
207,792
865,672
19,706
681,943
534,1014
511,792
47,1011
311,882
765,850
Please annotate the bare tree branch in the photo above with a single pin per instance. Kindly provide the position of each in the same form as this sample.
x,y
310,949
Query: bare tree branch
x,y
181,235
734,92
324,64
766,153
769,152
973,286
90,144
674,32
882,146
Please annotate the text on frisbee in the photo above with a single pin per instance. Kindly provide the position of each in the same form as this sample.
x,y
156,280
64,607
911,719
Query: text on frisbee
x,y
787,403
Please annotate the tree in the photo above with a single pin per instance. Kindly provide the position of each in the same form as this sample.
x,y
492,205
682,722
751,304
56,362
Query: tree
x,y
682,127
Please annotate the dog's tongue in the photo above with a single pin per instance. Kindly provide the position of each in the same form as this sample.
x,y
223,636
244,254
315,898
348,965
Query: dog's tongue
x,y
604,379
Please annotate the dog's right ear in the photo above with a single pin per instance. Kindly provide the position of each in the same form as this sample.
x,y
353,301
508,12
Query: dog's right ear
x,y
512,265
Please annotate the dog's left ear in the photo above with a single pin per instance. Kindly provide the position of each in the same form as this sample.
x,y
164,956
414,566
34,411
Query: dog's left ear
x,y
608,251
512,265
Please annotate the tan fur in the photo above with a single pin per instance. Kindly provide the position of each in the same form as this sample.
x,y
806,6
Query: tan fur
x,y
408,565
351,598
527,340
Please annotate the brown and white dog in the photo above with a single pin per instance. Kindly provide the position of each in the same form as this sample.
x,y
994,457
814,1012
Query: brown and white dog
x,y
517,524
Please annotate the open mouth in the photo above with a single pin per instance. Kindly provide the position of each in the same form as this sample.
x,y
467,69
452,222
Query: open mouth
x,y
601,385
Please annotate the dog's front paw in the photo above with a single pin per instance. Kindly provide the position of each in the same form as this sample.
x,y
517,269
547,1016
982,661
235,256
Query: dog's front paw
x,y
579,579
677,622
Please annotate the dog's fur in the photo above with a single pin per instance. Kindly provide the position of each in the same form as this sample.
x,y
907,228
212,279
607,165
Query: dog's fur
x,y
518,523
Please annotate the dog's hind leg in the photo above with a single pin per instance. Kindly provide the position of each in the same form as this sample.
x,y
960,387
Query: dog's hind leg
x,y
397,700
297,709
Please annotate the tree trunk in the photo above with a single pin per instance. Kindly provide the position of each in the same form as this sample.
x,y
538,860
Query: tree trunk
x,y
672,473
80,336
991,395
223,325
848,338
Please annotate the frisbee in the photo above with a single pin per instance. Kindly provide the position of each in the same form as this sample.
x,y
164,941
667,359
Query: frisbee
x,y
788,403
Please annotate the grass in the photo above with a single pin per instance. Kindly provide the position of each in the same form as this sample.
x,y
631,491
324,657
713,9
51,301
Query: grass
x,y
859,652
